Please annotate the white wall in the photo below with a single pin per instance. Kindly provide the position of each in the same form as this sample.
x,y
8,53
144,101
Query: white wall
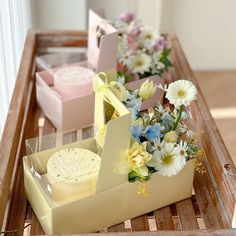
x,y
206,29
59,14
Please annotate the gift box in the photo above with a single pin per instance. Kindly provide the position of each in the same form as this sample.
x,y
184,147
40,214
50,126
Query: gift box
x,y
67,206
78,112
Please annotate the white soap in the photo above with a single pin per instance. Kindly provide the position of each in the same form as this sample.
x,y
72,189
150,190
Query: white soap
x,y
73,172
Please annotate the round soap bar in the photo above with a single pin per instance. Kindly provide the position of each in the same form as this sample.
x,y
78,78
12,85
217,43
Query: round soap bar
x,y
73,172
73,81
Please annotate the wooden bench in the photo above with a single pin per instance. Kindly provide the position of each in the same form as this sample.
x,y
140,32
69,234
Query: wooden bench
x,y
211,208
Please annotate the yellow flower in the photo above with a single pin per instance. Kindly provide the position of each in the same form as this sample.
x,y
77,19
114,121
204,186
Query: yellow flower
x,y
136,159
171,137
138,121
147,90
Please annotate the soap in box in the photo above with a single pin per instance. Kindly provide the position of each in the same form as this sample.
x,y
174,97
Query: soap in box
x,y
94,211
78,112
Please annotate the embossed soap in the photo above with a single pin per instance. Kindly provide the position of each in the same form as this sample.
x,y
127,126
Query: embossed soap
x,y
73,81
72,173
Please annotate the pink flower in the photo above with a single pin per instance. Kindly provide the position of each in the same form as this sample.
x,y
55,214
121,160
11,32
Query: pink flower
x,y
161,43
132,43
135,31
127,17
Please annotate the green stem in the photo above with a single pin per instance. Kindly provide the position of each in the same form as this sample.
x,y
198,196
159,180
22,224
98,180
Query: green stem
x,y
178,118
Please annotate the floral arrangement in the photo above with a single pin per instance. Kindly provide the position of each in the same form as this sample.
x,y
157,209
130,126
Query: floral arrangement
x,y
161,141
142,51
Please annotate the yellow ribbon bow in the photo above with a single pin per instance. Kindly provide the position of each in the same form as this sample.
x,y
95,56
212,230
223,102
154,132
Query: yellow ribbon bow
x,y
117,88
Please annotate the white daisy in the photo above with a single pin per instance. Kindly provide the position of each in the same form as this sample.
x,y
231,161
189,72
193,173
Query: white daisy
x,y
171,161
147,37
141,63
181,92
183,148
126,59
156,159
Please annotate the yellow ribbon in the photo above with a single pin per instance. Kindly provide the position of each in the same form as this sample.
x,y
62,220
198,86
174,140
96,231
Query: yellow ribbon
x,y
117,88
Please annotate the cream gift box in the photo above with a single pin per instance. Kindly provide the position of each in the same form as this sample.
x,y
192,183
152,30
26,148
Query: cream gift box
x,y
82,212
75,112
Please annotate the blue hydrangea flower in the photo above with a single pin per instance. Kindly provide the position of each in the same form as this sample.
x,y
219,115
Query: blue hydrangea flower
x,y
134,107
152,132
136,131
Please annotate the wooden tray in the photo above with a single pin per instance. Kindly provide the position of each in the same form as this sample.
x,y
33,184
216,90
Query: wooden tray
x,y
211,208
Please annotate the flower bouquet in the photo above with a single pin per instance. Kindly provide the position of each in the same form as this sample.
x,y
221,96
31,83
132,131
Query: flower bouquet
x,y
161,142
142,54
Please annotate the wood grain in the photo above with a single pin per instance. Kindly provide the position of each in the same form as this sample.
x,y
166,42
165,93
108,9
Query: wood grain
x,y
140,223
12,130
227,232
187,215
212,142
117,228
164,220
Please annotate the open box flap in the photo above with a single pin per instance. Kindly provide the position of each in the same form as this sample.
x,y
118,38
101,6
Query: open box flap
x,y
102,43
117,135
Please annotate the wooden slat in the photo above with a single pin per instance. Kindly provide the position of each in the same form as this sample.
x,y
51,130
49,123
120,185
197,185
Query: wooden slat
x,y
117,228
187,215
140,223
60,39
12,130
70,137
164,220
17,214
227,232
17,195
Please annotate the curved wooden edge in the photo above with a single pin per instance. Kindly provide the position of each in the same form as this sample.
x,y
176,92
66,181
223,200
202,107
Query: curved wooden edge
x,y
226,232
211,141
63,33
60,38
13,126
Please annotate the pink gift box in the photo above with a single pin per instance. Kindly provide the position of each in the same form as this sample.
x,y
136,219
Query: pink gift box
x,y
157,97
65,114
68,114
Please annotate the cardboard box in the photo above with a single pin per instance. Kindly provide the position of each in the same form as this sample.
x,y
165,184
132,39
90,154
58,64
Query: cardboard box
x,y
83,213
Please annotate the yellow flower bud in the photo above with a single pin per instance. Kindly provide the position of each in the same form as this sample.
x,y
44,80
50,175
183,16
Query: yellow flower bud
x,y
147,90
138,121
171,137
